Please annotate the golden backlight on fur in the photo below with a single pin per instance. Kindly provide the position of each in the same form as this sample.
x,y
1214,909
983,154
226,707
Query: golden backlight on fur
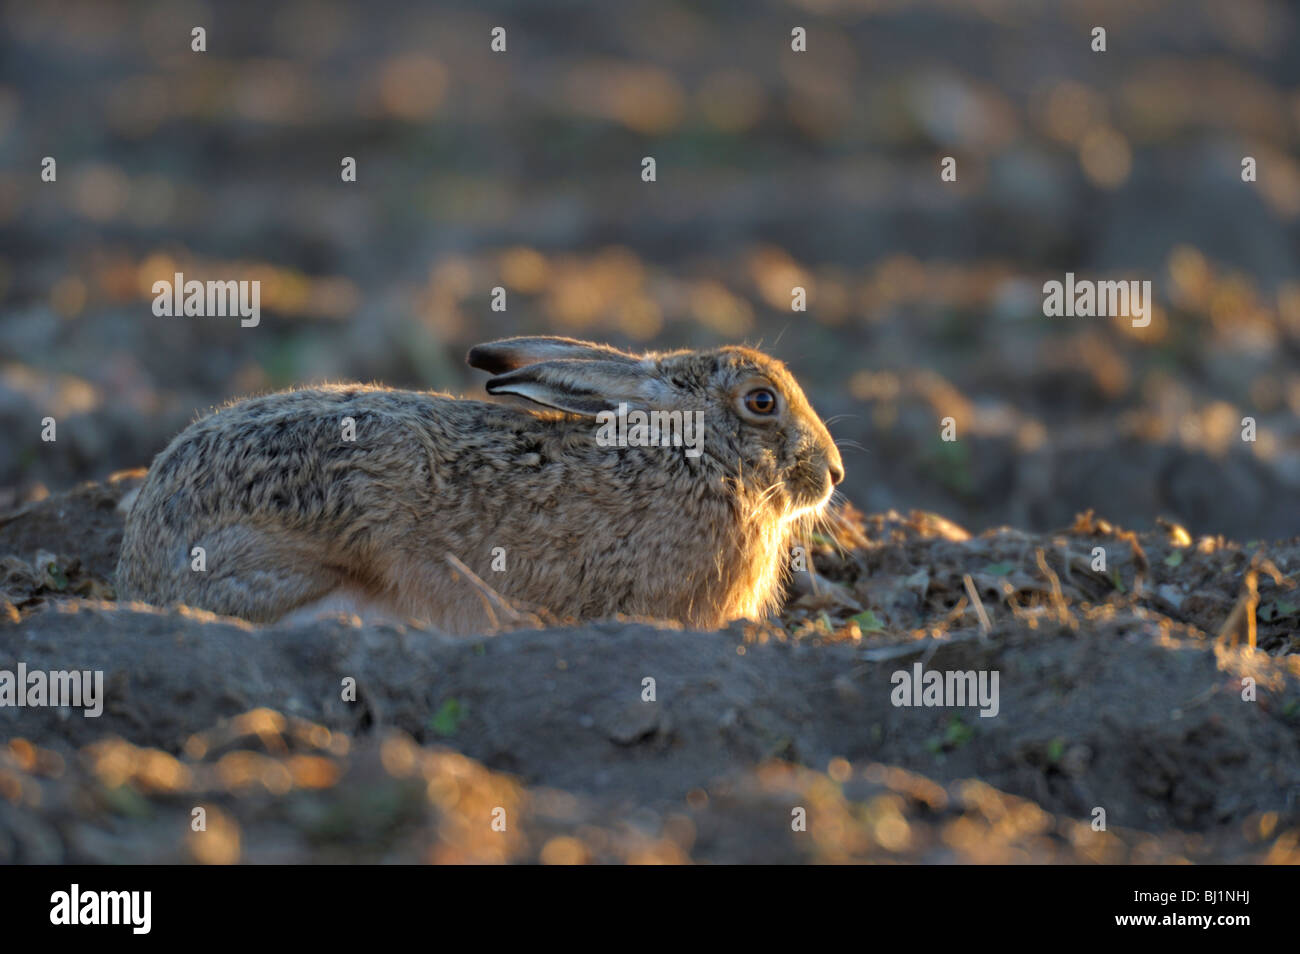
x,y
290,516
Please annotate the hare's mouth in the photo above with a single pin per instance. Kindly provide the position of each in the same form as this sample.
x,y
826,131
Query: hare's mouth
x,y
809,501
809,510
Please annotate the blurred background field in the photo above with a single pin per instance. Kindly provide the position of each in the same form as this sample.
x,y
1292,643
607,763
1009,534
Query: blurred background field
x,y
775,169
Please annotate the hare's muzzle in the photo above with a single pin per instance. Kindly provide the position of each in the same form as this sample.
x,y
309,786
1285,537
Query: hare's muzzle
x,y
834,464
836,468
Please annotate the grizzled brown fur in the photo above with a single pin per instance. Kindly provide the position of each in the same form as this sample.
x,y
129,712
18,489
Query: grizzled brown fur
x,y
291,515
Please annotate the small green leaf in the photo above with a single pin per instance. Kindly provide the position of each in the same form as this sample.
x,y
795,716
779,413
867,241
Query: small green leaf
x,y
1272,611
999,569
54,573
124,800
447,719
868,622
1055,749
1114,578
958,733
1175,558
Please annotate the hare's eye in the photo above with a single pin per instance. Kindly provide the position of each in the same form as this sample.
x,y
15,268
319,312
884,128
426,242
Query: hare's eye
x,y
760,401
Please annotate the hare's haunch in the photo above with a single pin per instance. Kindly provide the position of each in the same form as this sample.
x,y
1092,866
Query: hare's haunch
x,y
306,497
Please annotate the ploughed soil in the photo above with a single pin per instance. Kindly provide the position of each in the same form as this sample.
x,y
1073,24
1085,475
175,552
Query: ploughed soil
x,y
1129,692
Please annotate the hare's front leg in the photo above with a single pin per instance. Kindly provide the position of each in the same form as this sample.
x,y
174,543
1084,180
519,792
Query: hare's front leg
x,y
433,591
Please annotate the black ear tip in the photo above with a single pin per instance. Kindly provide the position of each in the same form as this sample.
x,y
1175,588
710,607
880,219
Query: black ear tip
x,y
487,358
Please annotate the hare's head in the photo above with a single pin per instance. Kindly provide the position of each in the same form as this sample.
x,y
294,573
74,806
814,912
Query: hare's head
x,y
758,427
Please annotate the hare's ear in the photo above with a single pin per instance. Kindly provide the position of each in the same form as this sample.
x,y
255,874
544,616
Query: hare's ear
x,y
507,354
580,387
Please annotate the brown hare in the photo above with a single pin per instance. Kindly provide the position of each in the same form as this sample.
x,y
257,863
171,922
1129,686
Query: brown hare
x,y
354,496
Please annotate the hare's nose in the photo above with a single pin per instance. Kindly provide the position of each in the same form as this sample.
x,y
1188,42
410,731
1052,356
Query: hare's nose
x,y
837,472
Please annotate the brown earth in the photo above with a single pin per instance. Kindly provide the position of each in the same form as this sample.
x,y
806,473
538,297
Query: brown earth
x,y
1120,690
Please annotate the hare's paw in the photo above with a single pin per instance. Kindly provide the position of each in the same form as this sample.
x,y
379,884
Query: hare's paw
x,y
339,603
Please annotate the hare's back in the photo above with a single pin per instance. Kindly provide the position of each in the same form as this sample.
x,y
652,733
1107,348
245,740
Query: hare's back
x,y
299,454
